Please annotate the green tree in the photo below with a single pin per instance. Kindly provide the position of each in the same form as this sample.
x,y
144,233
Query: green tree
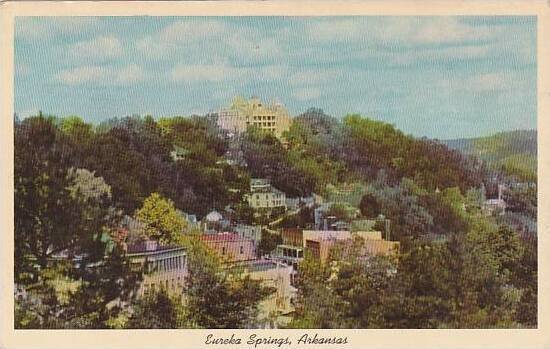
x,y
369,206
317,305
268,242
162,221
158,310
215,297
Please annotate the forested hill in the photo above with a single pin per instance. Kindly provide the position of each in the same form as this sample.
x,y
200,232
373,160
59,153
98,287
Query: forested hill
x,y
515,152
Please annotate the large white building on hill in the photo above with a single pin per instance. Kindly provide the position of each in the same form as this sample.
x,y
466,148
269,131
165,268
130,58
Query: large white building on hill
x,y
242,113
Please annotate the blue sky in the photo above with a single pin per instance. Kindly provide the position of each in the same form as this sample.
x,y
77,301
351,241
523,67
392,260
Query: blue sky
x,y
441,77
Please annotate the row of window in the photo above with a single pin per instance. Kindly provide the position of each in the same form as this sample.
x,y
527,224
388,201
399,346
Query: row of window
x,y
278,195
166,264
264,117
265,124
292,253
272,203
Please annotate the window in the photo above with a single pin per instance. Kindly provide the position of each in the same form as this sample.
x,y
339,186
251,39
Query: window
x,y
223,250
242,250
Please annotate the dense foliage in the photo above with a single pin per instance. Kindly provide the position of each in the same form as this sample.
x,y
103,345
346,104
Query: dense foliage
x,y
458,266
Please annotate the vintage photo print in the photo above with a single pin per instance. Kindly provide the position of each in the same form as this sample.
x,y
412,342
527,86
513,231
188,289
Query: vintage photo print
x,y
274,174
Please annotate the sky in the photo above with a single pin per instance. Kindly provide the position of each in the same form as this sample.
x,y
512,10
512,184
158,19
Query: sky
x,y
439,77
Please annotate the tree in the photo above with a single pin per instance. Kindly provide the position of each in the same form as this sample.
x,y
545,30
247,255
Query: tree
x,y
369,206
522,200
162,221
92,280
44,209
317,305
268,242
216,298
408,216
158,310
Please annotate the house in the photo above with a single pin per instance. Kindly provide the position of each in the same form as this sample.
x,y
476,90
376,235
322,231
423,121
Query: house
x,y
253,232
230,247
179,153
274,310
215,222
289,255
324,235
191,219
372,245
495,206
165,267
264,196
291,251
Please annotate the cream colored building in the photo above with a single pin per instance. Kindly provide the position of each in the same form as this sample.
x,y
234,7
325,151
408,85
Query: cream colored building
x,y
165,267
274,310
264,196
273,118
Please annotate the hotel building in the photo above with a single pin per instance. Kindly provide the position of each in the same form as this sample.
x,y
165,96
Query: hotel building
x,y
273,118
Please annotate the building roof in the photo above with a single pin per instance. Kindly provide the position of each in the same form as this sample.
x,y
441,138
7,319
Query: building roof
x,y
225,236
214,216
143,248
495,202
258,265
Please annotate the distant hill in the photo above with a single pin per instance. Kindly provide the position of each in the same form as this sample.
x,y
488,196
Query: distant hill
x,y
515,152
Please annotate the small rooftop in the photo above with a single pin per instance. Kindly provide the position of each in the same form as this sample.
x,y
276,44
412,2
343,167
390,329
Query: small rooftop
x,y
225,236
257,266
149,247
214,216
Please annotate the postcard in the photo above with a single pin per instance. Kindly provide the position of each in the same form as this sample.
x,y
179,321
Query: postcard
x,y
274,174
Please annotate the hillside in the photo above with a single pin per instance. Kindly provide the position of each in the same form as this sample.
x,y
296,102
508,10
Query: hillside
x,y
514,151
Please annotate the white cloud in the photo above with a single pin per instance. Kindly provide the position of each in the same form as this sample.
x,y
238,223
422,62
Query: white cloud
x,y
100,75
392,30
446,54
225,72
185,31
100,49
336,30
210,73
250,47
314,76
28,113
271,72
435,30
32,28
179,34
206,41
488,82
306,94
22,69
